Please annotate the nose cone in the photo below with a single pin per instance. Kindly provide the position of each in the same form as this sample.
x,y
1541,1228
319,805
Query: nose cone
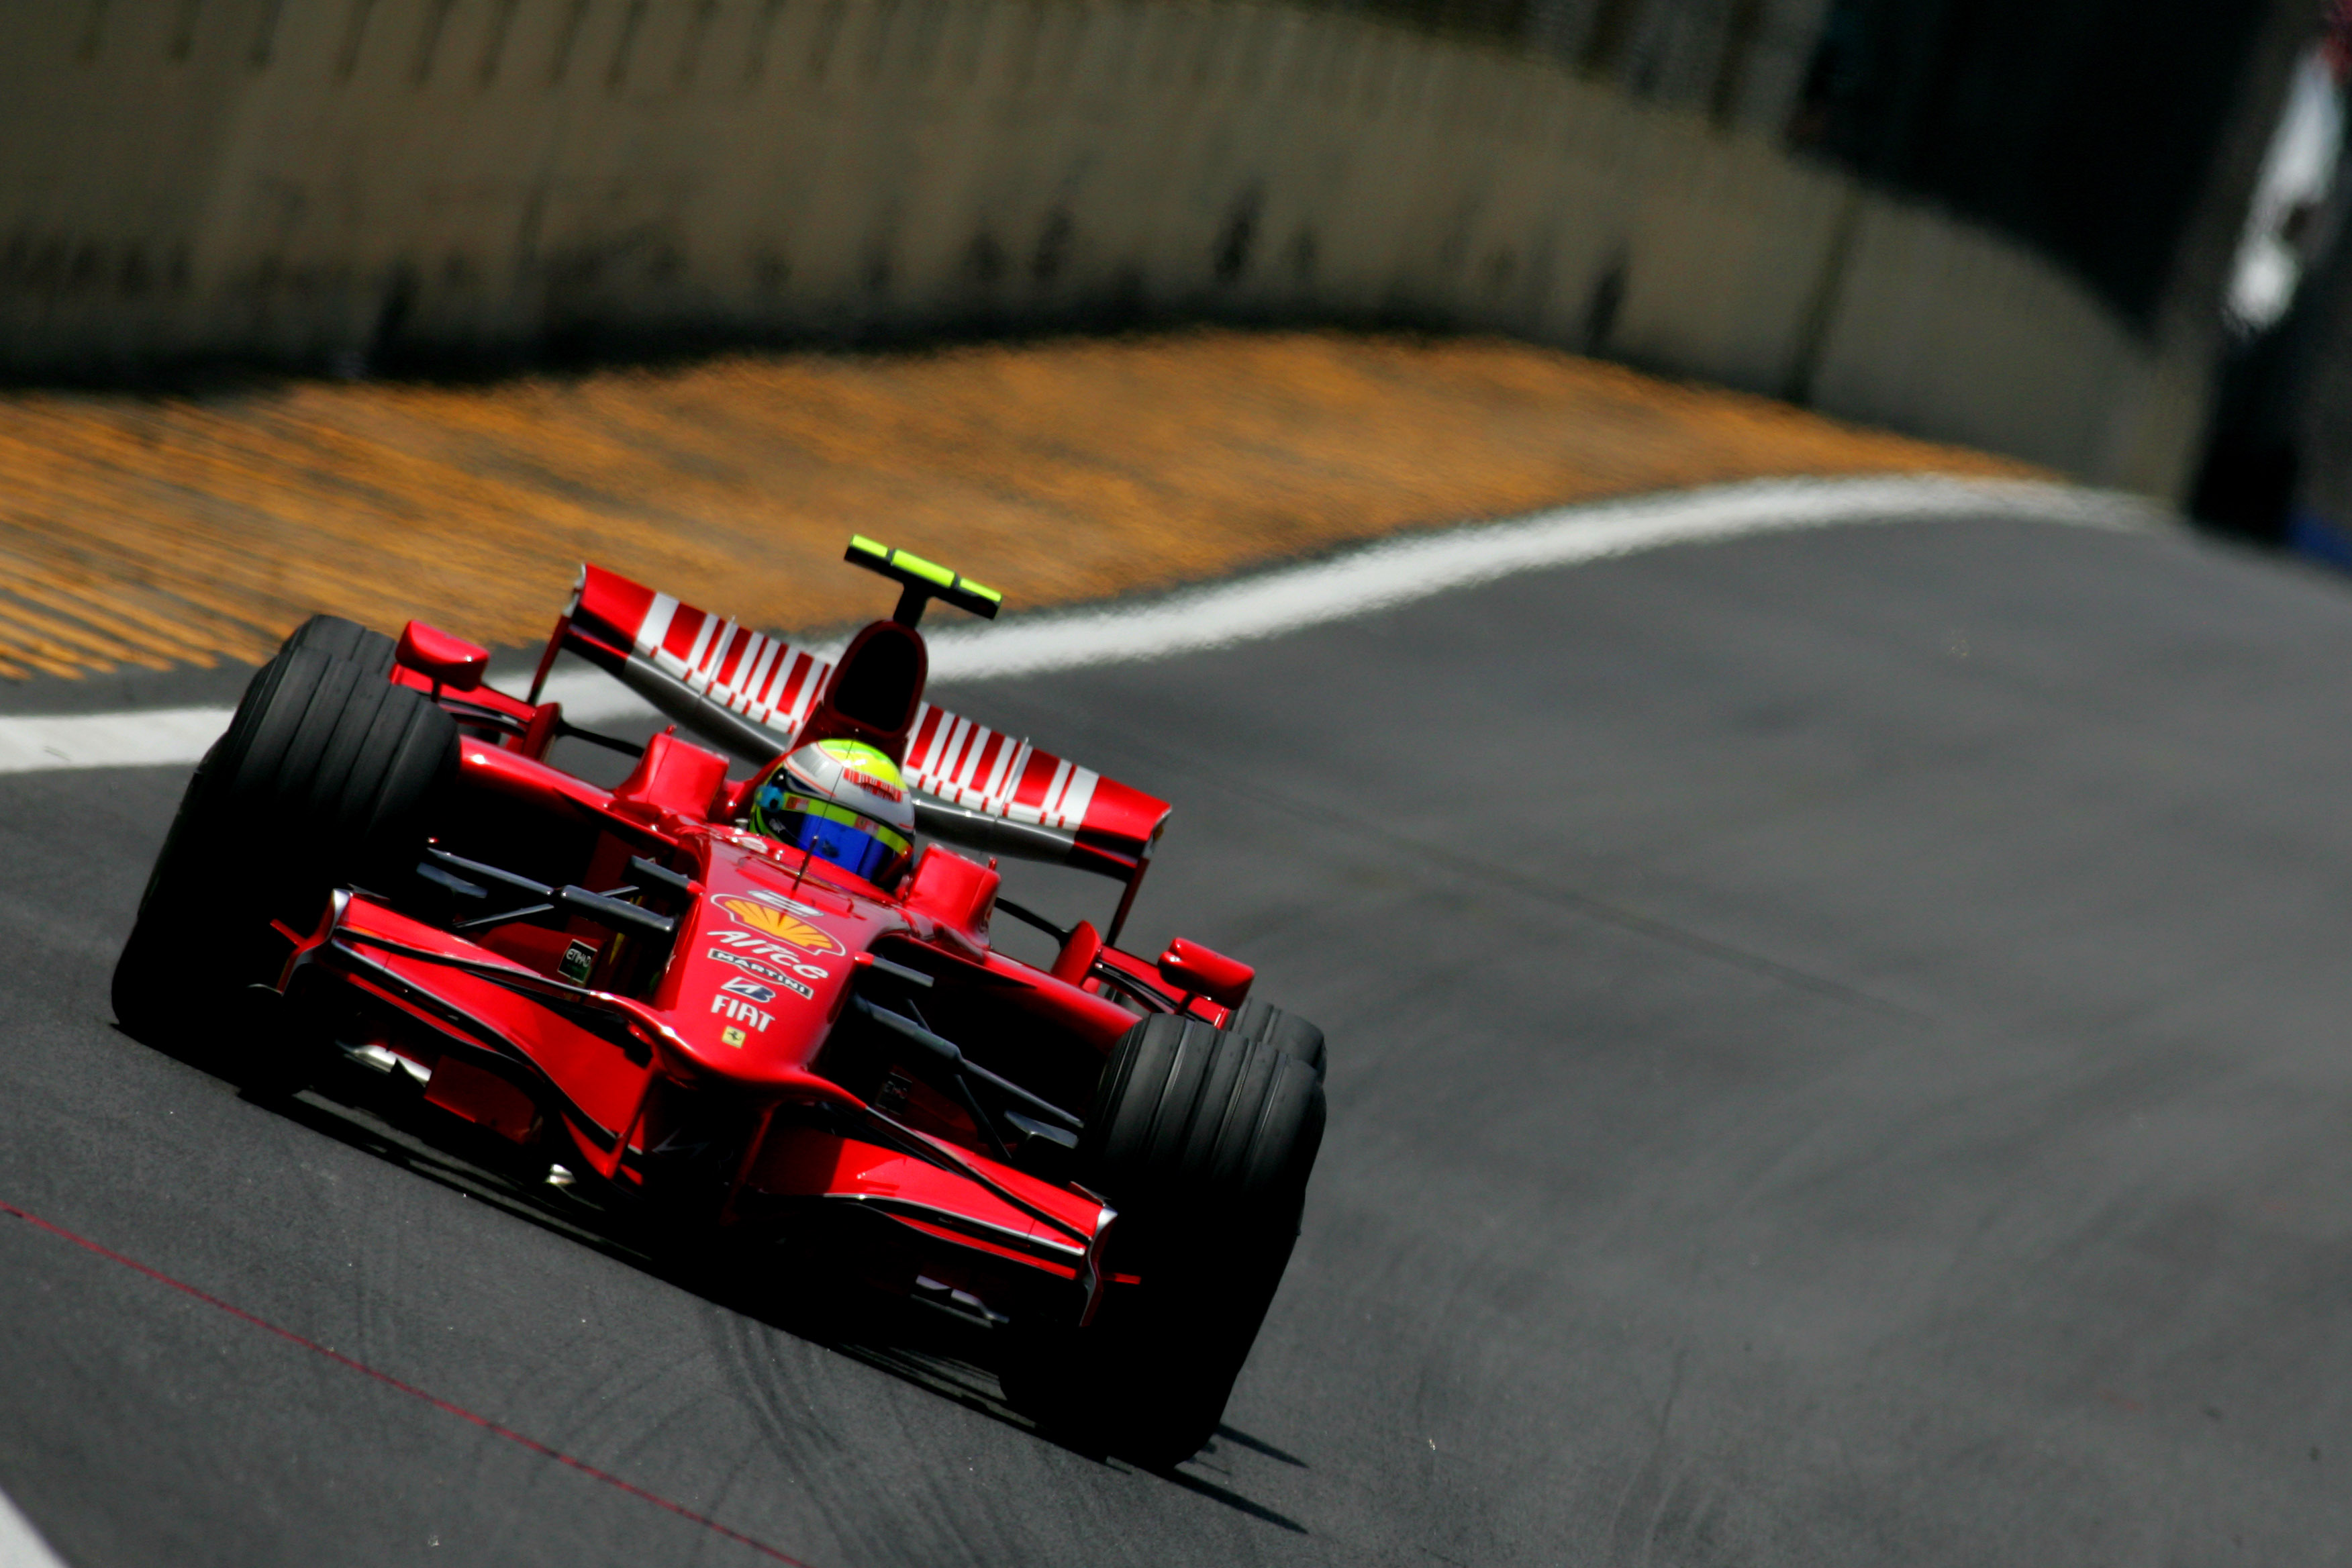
x,y
762,982
762,973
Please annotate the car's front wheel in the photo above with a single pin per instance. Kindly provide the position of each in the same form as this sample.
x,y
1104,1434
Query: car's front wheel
x,y
1203,1140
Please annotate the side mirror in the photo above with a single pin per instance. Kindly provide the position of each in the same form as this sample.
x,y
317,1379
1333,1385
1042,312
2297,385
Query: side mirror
x,y
449,660
1079,950
1206,972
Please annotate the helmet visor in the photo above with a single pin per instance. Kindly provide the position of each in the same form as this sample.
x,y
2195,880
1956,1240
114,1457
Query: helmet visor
x,y
851,840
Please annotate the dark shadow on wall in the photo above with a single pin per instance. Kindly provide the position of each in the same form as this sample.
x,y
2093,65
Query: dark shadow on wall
x,y
2245,485
398,349
2085,128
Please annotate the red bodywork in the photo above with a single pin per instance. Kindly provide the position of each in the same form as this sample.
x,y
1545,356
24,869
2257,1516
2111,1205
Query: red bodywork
x,y
736,1071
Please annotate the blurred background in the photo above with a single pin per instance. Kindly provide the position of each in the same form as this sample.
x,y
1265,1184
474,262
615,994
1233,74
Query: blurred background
x,y
625,274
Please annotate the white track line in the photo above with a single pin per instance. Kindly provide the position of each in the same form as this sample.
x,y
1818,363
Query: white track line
x,y
153,737
1288,599
1417,566
21,1545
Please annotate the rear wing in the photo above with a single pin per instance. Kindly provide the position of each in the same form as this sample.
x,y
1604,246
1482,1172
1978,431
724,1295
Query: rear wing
x,y
750,693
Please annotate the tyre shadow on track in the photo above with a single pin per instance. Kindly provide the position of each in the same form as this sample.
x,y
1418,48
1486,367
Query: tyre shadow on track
x,y
927,1347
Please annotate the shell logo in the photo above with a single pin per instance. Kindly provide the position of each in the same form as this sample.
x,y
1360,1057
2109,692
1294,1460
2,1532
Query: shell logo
x,y
779,925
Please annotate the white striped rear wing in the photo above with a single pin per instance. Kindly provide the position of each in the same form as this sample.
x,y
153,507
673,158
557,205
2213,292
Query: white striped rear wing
x,y
752,693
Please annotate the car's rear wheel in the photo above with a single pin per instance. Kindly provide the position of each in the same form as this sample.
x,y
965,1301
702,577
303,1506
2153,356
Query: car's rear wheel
x,y
1202,1140
327,774
1285,1032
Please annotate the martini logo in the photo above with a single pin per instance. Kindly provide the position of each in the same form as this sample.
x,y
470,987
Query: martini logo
x,y
792,958
776,923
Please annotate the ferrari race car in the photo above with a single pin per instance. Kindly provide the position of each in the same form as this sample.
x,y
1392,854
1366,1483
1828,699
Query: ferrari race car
x,y
767,1045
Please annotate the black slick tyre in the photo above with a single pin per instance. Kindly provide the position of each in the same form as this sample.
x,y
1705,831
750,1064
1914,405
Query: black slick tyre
x,y
1285,1032
327,776
1203,1140
339,639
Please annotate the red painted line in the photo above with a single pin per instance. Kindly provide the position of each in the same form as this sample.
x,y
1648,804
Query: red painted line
x,y
434,1400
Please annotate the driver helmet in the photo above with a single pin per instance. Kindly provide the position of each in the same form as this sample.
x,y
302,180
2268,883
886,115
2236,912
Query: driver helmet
x,y
842,800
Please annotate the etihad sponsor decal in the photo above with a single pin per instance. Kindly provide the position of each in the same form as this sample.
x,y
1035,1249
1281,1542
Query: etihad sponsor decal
x,y
785,926
750,990
753,966
579,963
742,1012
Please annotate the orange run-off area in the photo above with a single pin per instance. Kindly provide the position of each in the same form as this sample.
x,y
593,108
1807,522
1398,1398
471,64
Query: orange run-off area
x,y
159,530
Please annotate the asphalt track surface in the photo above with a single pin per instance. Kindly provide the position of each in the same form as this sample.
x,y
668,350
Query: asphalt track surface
x,y
1841,1053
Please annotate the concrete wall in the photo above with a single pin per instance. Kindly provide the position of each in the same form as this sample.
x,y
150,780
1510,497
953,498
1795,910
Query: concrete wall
x,y
315,181
1741,62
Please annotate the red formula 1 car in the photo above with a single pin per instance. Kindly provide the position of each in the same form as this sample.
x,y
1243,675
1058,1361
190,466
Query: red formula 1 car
x,y
750,1034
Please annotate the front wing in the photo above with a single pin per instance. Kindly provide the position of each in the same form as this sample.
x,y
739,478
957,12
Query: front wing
x,y
488,1038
